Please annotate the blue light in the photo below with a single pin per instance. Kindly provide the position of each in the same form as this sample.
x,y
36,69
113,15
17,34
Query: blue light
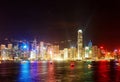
x,y
24,46
25,73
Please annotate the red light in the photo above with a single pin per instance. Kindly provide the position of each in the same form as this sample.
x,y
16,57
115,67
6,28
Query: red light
x,y
72,64
115,50
101,47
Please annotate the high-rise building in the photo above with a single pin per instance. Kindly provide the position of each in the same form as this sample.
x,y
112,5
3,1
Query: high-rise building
x,y
80,44
9,46
2,46
65,53
86,52
42,49
4,52
72,53
94,51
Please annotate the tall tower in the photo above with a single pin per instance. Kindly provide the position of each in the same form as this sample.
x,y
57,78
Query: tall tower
x,y
80,45
34,47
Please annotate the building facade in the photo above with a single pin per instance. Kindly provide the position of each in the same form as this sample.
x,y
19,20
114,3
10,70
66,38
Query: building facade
x,y
80,45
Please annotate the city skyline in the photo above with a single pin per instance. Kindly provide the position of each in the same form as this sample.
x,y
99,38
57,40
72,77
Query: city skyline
x,y
60,20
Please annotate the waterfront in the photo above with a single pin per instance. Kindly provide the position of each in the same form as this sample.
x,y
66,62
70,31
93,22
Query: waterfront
x,y
45,71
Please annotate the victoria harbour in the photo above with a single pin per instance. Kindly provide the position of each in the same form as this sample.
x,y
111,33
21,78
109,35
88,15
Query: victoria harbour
x,y
59,71
60,41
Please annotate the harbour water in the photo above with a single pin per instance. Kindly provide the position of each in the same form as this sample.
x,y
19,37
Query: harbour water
x,y
56,71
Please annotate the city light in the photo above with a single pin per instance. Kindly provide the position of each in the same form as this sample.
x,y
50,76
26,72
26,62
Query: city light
x,y
80,31
25,46
58,59
47,51
101,47
60,41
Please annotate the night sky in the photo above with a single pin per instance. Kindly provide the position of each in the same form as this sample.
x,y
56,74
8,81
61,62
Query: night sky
x,y
57,20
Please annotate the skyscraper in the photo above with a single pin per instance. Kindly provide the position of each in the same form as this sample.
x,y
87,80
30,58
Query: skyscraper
x,y
80,45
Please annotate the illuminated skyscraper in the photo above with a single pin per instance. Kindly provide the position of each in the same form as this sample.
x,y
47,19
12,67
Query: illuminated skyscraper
x,y
2,46
34,47
42,49
65,53
80,44
9,46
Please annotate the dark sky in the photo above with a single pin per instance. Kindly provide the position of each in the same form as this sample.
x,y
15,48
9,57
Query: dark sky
x,y
57,20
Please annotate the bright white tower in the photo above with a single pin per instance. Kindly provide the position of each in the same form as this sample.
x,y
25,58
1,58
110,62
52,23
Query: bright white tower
x,y
80,44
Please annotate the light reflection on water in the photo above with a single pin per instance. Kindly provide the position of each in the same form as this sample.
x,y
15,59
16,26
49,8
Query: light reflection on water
x,y
24,72
45,71
102,72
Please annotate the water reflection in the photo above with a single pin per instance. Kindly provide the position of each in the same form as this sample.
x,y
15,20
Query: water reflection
x,y
45,71
102,72
114,71
24,72
9,72
50,73
117,78
34,71
86,74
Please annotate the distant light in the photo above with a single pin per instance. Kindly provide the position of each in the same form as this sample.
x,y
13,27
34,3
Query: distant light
x,y
86,48
72,47
24,46
115,50
108,53
80,31
58,59
101,47
90,52
50,52
44,48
